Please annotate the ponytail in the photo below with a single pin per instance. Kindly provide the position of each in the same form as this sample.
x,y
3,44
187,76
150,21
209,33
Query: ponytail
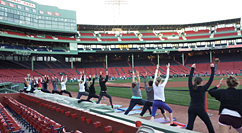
x,y
195,86
134,84
197,81
157,81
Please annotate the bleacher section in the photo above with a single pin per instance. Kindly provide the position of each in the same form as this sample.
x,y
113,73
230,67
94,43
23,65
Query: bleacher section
x,y
197,37
191,32
130,39
109,39
169,33
225,34
224,29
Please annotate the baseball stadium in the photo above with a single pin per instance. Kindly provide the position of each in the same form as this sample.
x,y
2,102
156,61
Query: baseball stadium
x,y
58,75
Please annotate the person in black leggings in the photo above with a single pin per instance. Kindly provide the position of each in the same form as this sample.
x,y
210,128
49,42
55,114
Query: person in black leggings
x,y
103,91
150,98
197,104
136,94
92,92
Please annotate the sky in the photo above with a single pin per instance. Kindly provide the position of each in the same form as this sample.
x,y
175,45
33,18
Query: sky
x,y
143,12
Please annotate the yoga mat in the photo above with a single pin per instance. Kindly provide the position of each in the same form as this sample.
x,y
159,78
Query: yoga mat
x,y
179,125
132,112
116,110
162,120
145,115
116,106
135,107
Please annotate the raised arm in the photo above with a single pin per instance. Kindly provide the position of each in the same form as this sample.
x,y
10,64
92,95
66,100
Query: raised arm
x,y
84,79
211,77
215,92
133,77
138,78
145,79
191,75
167,74
93,79
61,78
106,77
156,71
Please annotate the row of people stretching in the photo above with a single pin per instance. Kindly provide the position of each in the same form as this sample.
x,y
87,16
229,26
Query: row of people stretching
x,y
230,109
31,83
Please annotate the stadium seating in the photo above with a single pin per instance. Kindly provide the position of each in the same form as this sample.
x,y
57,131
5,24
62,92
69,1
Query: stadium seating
x,y
14,33
169,33
191,32
86,34
130,39
112,72
109,39
148,34
107,35
127,34
151,39
197,37
88,39
225,29
226,34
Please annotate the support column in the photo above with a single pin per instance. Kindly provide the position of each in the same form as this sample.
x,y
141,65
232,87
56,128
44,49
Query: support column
x,y
132,61
71,62
211,57
183,59
32,63
106,57
158,59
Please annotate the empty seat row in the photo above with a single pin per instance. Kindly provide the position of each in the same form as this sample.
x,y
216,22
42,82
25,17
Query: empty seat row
x,y
31,119
7,123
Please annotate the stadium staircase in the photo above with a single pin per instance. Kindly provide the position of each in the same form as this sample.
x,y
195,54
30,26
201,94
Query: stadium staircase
x,y
153,63
96,72
117,71
51,73
49,65
148,71
68,72
161,70
129,64
77,71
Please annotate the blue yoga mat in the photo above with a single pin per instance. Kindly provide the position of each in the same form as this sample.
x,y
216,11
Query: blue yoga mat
x,y
135,107
117,110
162,120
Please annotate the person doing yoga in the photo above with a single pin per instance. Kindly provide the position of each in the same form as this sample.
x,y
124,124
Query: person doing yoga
x,y
197,105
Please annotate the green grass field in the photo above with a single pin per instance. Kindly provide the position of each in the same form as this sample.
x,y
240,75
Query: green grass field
x,y
172,97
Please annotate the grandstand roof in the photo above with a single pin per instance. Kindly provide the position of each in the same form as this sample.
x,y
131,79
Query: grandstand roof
x,y
88,27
